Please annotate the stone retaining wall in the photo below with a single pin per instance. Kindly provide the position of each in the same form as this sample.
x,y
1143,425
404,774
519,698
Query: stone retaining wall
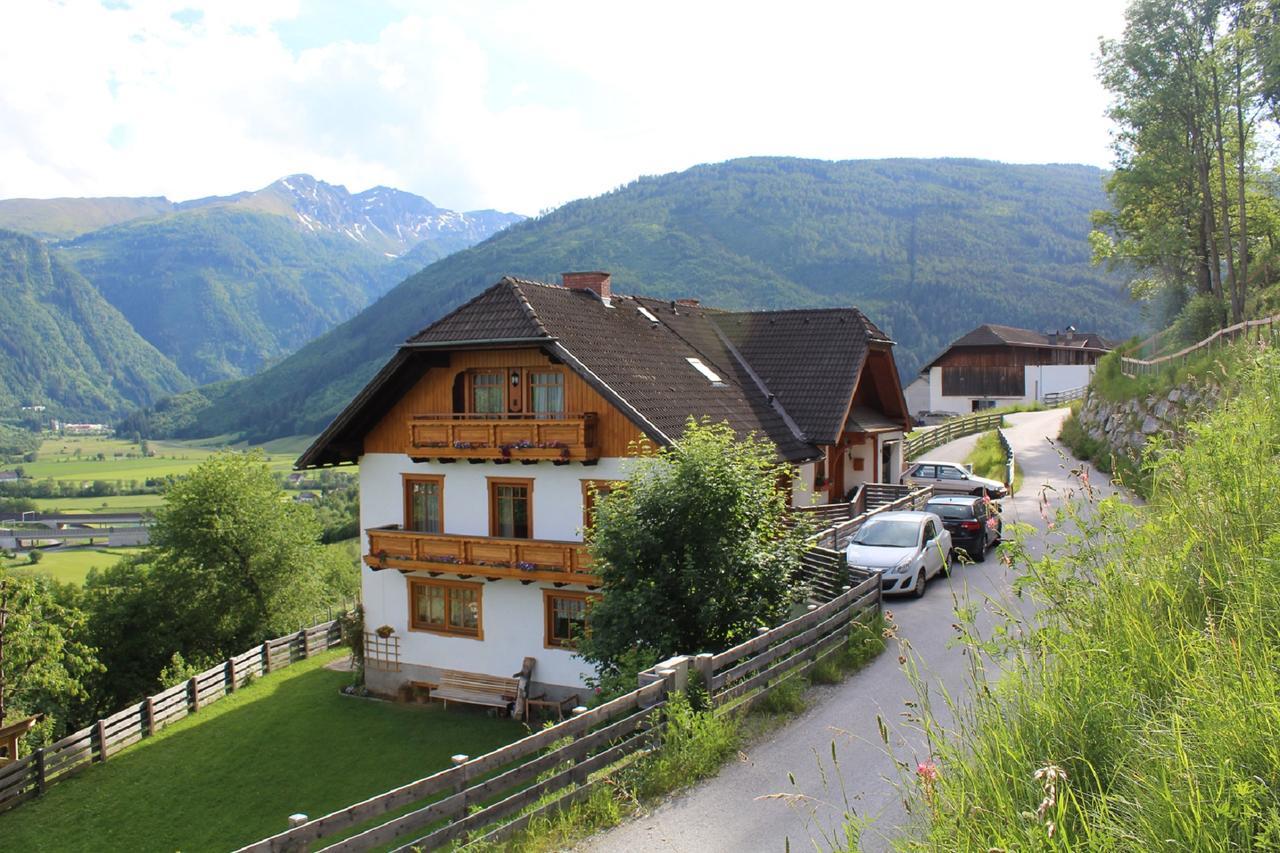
x,y
1126,426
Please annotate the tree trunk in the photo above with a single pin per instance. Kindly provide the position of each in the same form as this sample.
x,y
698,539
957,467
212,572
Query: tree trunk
x,y
1224,195
1242,138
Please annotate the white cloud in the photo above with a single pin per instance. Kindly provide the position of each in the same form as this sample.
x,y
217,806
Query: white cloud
x,y
526,105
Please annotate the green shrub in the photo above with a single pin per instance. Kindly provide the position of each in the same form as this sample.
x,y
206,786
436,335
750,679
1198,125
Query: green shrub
x,y
784,697
987,459
865,643
694,746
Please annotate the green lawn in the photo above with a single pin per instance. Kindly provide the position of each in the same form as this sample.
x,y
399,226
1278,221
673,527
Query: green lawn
x,y
234,772
71,566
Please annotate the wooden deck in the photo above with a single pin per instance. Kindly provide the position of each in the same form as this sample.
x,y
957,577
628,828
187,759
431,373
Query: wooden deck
x,y
484,556
566,438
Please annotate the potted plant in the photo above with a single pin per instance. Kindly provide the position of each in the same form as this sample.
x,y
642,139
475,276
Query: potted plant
x,y
384,631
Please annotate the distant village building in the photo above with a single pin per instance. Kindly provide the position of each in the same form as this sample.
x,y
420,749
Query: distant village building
x,y
9,476
484,441
81,429
307,497
33,408
1002,365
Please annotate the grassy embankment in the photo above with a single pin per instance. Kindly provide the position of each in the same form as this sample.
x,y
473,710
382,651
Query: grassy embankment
x,y
987,459
234,772
1142,711
75,458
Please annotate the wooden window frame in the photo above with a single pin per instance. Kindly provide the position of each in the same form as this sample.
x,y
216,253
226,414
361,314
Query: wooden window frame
x,y
501,373
446,631
529,386
405,481
491,482
588,502
548,642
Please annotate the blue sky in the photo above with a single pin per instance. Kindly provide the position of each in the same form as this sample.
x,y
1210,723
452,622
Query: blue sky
x,y
525,105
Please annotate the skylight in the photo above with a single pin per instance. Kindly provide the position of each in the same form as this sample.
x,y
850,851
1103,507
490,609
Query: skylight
x,y
646,313
711,375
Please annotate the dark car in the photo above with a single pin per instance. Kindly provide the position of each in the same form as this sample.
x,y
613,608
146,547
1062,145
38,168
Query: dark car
x,y
974,523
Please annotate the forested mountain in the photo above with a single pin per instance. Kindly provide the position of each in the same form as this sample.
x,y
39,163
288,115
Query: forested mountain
x,y
63,346
223,291
223,286
928,248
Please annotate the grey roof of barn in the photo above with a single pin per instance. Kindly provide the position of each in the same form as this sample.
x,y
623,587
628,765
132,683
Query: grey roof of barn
x,y
787,375
993,335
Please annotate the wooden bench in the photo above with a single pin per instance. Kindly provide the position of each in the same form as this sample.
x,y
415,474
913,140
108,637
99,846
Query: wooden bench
x,y
475,689
493,691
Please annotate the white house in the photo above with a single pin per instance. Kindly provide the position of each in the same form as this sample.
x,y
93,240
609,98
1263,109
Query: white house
x,y
1001,365
485,438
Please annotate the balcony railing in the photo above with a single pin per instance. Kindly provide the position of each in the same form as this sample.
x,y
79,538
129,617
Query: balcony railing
x,y
486,556
569,437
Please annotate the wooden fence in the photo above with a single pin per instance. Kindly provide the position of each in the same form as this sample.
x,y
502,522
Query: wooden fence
x,y
1009,464
919,442
741,676
1264,329
1056,398
29,776
836,537
539,774
492,797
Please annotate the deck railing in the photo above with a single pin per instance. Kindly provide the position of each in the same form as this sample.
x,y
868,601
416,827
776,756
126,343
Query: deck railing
x,y
488,556
559,438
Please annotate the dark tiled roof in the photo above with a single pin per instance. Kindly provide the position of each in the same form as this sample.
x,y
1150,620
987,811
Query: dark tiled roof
x,y
786,375
810,359
499,313
993,335
646,363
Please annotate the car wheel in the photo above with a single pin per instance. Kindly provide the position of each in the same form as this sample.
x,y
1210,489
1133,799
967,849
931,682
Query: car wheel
x,y
921,580
977,493
981,556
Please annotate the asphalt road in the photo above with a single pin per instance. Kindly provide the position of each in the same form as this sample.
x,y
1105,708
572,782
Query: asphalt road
x,y
735,812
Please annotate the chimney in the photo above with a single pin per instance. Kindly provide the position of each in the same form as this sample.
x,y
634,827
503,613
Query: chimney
x,y
596,282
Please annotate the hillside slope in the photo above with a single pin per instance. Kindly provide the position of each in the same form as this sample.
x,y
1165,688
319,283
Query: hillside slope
x,y
224,291
63,346
928,248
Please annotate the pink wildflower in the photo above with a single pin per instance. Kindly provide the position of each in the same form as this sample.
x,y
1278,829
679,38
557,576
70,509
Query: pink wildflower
x,y
991,523
928,772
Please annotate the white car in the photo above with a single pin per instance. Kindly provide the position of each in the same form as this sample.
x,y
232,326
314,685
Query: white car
x,y
905,548
951,477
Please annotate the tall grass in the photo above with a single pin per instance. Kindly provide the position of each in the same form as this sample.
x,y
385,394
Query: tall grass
x,y
1141,710
987,459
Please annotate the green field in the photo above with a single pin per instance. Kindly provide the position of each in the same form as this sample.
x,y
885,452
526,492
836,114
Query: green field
x,y
75,458
234,772
111,503
70,566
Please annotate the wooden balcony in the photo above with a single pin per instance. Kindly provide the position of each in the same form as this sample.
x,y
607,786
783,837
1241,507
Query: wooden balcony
x,y
570,437
484,556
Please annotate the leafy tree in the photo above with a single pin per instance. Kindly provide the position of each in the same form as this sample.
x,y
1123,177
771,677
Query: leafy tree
x,y
43,659
234,557
1191,199
693,551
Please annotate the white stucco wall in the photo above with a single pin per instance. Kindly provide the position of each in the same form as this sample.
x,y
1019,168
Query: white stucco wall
x,y
1050,378
917,394
511,613
802,485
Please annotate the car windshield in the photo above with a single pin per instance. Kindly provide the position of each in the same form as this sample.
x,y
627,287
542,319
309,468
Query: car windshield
x,y
888,534
950,510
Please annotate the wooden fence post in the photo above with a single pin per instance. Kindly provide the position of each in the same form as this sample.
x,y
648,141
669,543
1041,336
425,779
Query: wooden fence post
x,y
100,731
266,658
302,635
194,689
704,666
149,715
40,775
231,675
